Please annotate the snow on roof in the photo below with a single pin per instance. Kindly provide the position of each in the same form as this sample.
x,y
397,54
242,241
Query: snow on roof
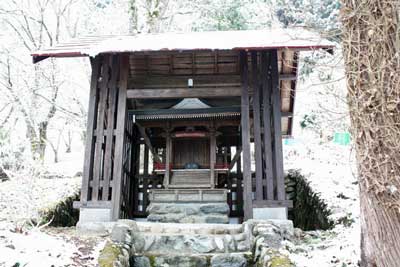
x,y
190,103
291,38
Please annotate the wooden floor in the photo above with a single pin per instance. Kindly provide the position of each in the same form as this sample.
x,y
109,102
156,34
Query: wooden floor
x,y
191,178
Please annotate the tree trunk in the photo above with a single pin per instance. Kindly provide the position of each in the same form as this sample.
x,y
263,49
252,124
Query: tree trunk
x,y
371,43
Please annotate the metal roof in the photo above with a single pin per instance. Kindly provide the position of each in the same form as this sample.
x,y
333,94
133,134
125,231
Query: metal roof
x,y
203,113
292,38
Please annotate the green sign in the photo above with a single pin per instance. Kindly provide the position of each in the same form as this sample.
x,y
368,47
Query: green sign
x,y
342,138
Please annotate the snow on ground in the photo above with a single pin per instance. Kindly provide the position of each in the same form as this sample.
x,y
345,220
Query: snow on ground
x,y
24,244
328,167
50,247
330,170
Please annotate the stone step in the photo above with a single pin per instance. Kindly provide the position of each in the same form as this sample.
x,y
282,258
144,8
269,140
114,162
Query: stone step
x,y
157,238
192,244
188,212
208,229
200,260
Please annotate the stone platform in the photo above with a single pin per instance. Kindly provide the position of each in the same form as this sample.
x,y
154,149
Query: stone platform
x,y
145,244
188,206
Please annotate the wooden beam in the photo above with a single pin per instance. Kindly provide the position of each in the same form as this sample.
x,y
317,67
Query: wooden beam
x,y
183,93
89,146
276,113
120,136
147,141
181,81
199,81
266,91
236,157
245,122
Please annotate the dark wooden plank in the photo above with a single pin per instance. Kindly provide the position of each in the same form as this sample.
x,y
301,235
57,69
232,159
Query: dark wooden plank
x,y
276,111
97,168
89,146
146,161
134,178
145,201
183,93
272,203
236,157
239,186
212,156
120,136
147,141
110,126
168,149
257,126
266,91
245,127
182,81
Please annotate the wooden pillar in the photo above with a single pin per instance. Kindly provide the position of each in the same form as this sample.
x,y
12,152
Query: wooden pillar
x,y
266,91
168,147
239,184
145,202
134,178
212,156
146,161
257,127
120,136
89,146
277,132
111,109
245,126
100,139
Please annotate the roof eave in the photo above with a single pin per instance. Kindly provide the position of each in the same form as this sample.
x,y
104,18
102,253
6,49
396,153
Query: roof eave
x,y
38,56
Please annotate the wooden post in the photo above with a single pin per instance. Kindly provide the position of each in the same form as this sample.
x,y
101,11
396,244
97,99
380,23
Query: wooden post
x,y
266,90
120,137
108,154
89,146
134,177
212,156
168,145
257,126
239,185
146,161
98,155
245,123
276,111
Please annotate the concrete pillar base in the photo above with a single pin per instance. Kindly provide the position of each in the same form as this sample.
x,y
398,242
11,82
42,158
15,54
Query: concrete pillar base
x,y
279,213
94,220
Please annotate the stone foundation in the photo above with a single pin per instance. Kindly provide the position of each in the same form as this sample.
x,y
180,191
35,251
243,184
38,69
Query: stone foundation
x,y
188,212
253,243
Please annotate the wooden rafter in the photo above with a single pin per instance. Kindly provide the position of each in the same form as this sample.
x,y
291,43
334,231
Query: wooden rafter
x,y
147,141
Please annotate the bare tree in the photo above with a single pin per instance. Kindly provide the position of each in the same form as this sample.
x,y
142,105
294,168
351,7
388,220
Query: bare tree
x,y
55,145
371,39
34,25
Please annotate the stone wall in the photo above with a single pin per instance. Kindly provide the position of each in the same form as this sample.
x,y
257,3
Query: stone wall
x,y
254,243
188,212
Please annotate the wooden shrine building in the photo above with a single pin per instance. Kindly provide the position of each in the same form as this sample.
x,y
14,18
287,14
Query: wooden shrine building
x,y
179,114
